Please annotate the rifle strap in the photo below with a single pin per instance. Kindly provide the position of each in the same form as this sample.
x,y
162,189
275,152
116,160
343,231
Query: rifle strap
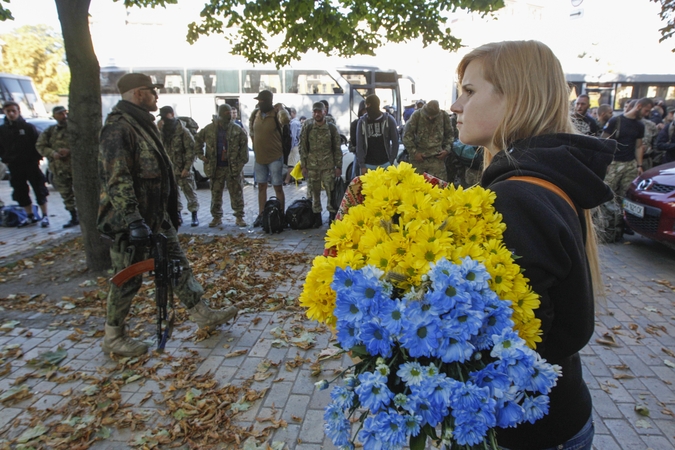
x,y
546,185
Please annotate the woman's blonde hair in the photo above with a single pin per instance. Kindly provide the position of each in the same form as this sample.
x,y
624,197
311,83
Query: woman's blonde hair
x,y
530,78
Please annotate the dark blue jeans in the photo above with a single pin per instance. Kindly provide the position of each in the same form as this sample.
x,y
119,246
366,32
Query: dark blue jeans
x,y
583,440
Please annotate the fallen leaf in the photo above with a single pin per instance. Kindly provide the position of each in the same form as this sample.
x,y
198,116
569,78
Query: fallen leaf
x,y
642,410
669,363
607,339
32,433
641,423
236,353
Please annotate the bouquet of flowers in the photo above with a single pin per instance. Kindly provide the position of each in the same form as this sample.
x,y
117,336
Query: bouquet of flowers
x,y
418,284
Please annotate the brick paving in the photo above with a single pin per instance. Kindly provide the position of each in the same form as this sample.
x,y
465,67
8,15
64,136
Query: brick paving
x,y
638,315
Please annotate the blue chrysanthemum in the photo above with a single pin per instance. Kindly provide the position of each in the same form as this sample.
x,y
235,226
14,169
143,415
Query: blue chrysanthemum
x,y
349,308
393,429
421,338
544,377
347,334
474,273
535,407
509,414
336,426
343,279
373,391
455,350
391,314
342,397
376,339
492,378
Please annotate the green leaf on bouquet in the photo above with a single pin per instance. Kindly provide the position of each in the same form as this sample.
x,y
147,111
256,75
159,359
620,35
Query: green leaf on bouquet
x,y
418,442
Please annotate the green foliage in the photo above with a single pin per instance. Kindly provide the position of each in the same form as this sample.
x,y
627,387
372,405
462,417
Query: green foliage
x,y
667,14
5,14
332,27
37,51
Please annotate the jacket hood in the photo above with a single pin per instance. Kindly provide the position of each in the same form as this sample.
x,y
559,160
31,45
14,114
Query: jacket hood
x,y
575,163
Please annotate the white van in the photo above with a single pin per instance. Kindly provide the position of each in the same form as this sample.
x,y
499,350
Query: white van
x,y
20,89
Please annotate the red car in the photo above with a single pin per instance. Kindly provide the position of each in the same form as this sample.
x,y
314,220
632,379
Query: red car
x,y
649,206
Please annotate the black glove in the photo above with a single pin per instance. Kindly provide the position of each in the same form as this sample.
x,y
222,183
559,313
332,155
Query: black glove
x,y
139,233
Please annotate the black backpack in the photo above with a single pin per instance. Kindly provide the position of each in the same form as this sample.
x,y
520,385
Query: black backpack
x,y
286,141
299,215
272,216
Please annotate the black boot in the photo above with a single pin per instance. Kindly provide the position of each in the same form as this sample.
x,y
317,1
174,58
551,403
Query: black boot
x,y
74,221
195,220
317,220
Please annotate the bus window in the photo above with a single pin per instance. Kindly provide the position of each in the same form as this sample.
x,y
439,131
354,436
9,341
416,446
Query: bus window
x,y
109,81
13,87
31,96
357,78
387,100
213,81
624,93
259,80
310,82
172,79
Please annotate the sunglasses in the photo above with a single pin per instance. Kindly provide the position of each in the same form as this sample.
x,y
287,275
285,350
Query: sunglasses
x,y
152,90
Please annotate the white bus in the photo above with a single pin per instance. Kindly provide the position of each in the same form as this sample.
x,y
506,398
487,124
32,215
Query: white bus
x,y
198,91
20,89
617,89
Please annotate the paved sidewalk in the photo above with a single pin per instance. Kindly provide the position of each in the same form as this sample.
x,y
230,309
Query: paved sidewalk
x,y
629,363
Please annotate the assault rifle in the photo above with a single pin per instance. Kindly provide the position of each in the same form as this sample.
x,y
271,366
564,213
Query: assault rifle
x,y
167,273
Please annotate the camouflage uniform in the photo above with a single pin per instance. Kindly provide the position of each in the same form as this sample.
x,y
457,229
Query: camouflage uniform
x,y
320,154
180,148
50,141
237,157
649,141
429,137
137,183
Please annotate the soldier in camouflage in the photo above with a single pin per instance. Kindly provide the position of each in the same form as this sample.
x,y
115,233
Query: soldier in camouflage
x,y
225,157
320,159
179,145
428,138
53,144
139,198
649,142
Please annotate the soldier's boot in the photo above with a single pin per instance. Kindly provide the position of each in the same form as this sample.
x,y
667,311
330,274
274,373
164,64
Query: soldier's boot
x,y
116,341
216,222
204,316
241,222
74,221
317,220
195,220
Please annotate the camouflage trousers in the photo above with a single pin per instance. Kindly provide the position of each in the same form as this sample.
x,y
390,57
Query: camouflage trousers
x,y
608,217
122,254
63,182
189,188
432,166
315,180
222,177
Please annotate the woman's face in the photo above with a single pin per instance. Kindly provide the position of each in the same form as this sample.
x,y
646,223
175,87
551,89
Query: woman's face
x,y
479,109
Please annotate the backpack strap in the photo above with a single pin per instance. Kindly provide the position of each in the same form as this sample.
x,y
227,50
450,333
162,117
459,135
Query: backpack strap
x,y
546,185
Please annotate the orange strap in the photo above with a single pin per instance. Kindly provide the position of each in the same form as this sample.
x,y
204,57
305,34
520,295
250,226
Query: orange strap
x,y
546,185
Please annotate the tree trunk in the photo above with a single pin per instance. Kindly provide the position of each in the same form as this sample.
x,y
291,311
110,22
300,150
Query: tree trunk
x,y
84,124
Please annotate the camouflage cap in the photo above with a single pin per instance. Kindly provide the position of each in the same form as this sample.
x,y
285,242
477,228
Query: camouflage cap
x,y
431,109
136,80
318,106
265,95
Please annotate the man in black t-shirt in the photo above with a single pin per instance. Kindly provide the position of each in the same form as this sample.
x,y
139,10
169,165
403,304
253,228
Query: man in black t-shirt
x,y
628,131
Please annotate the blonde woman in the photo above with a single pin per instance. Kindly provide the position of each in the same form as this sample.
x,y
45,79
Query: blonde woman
x,y
514,102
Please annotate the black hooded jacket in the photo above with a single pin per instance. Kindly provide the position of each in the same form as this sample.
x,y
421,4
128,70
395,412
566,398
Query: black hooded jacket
x,y
17,142
550,236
